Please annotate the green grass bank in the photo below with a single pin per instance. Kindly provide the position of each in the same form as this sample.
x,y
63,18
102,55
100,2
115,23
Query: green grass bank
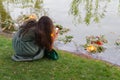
x,y
68,67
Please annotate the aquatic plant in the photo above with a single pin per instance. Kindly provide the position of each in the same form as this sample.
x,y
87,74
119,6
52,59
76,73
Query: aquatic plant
x,y
117,42
66,38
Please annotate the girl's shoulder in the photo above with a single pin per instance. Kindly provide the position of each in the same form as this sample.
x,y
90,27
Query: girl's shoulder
x,y
27,29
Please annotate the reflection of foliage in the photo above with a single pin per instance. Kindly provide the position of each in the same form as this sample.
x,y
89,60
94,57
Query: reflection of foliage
x,y
22,3
94,11
32,6
39,10
67,38
119,8
7,25
3,13
74,10
23,18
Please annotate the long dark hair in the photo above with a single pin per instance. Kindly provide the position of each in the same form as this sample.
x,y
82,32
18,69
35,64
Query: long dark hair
x,y
44,29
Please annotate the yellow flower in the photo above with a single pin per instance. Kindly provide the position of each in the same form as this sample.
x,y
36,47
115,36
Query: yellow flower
x,y
52,35
91,48
32,16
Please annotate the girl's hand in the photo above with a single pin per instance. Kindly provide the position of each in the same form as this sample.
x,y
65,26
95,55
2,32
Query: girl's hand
x,y
56,30
55,33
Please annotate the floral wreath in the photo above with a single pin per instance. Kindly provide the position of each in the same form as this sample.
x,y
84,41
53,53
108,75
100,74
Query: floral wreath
x,y
94,44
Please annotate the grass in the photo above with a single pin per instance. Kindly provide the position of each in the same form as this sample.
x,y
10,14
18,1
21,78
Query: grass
x,y
68,67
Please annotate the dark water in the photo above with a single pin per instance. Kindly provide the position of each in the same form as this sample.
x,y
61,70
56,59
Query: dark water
x,y
82,17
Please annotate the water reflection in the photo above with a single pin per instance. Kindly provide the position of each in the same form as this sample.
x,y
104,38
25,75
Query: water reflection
x,y
119,8
88,11
25,7
39,8
3,13
12,9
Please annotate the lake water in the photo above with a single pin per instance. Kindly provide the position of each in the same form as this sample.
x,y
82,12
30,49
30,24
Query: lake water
x,y
83,18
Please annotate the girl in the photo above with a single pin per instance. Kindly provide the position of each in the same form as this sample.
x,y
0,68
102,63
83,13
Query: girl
x,y
33,38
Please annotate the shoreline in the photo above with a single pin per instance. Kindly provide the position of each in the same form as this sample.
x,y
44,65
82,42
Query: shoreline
x,y
81,54
85,55
9,35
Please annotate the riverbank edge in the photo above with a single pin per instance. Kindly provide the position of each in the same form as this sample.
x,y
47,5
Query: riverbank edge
x,y
80,54
88,56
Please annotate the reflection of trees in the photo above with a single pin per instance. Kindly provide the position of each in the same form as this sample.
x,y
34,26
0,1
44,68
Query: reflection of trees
x,y
119,8
39,8
32,6
3,14
92,8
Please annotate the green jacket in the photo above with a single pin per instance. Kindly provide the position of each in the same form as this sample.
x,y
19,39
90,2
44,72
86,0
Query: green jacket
x,y
25,47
